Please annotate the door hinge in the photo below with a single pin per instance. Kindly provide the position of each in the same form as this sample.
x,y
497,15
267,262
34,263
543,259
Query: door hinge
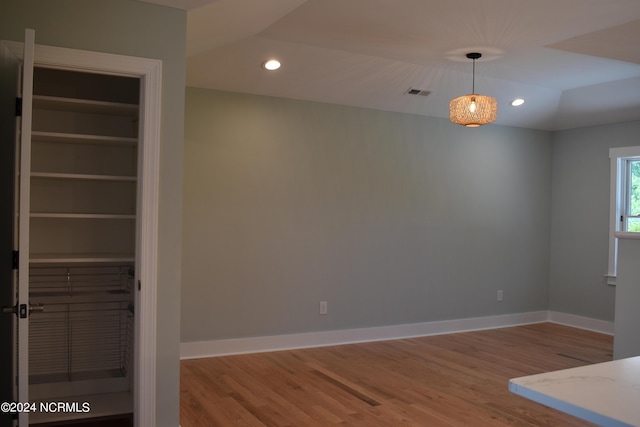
x,y
15,259
139,285
18,107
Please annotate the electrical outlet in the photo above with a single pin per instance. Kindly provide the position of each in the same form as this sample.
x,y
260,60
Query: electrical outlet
x,y
499,296
323,307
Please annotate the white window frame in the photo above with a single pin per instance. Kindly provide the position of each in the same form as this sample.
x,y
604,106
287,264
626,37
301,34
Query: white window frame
x,y
619,158
627,199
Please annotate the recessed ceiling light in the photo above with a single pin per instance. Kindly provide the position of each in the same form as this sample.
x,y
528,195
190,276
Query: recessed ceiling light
x,y
271,65
517,102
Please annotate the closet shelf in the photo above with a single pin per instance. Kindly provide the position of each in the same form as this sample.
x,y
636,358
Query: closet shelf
x,y
83,287
76,138
79,297
79,376
82,177
84,106
80,216
62,258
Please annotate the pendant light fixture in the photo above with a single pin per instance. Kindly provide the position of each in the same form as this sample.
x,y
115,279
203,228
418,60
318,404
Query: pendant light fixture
x,y
473,110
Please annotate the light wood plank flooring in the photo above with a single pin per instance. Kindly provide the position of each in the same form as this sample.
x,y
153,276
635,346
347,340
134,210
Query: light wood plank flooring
x,y
445,380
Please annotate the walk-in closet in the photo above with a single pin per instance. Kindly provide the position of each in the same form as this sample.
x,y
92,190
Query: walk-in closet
x,y
83,236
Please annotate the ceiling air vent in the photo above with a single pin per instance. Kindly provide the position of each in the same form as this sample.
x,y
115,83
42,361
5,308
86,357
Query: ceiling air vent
x,y
420,92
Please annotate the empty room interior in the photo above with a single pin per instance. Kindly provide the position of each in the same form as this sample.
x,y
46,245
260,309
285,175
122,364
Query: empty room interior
x,y
332,248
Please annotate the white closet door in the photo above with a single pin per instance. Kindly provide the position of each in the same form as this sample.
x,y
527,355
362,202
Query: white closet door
x,y
9,71
24,307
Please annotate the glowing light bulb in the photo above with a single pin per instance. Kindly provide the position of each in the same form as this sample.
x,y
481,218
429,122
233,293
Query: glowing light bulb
x,y
271,65
472,107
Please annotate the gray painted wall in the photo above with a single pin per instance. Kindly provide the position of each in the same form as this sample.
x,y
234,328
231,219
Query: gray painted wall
x,y
391,218
580,218
139,29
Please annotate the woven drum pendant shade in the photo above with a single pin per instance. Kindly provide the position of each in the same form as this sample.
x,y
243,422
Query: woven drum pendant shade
x,y
460,110
473,110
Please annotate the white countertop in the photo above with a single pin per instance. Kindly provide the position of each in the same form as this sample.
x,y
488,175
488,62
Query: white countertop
x,y
607,394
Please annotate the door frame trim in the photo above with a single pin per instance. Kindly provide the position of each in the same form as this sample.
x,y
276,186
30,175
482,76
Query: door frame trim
x,y
150,73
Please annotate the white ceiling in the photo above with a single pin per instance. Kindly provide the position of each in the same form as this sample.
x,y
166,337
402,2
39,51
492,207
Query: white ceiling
x,y
576,62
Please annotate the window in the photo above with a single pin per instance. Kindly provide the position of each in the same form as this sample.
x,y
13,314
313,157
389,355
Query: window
x,y
624,200
630,216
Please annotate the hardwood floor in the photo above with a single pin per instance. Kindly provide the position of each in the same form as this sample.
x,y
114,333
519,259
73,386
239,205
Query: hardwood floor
x,y
445,380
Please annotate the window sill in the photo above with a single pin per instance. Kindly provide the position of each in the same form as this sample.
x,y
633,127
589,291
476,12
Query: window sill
x,y
611,280
627,235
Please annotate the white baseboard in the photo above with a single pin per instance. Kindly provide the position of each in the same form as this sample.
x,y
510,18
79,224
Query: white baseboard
x,y
200,349
602,326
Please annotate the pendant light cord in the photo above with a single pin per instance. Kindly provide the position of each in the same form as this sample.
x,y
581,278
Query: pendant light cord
x,y
473,79
474,56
